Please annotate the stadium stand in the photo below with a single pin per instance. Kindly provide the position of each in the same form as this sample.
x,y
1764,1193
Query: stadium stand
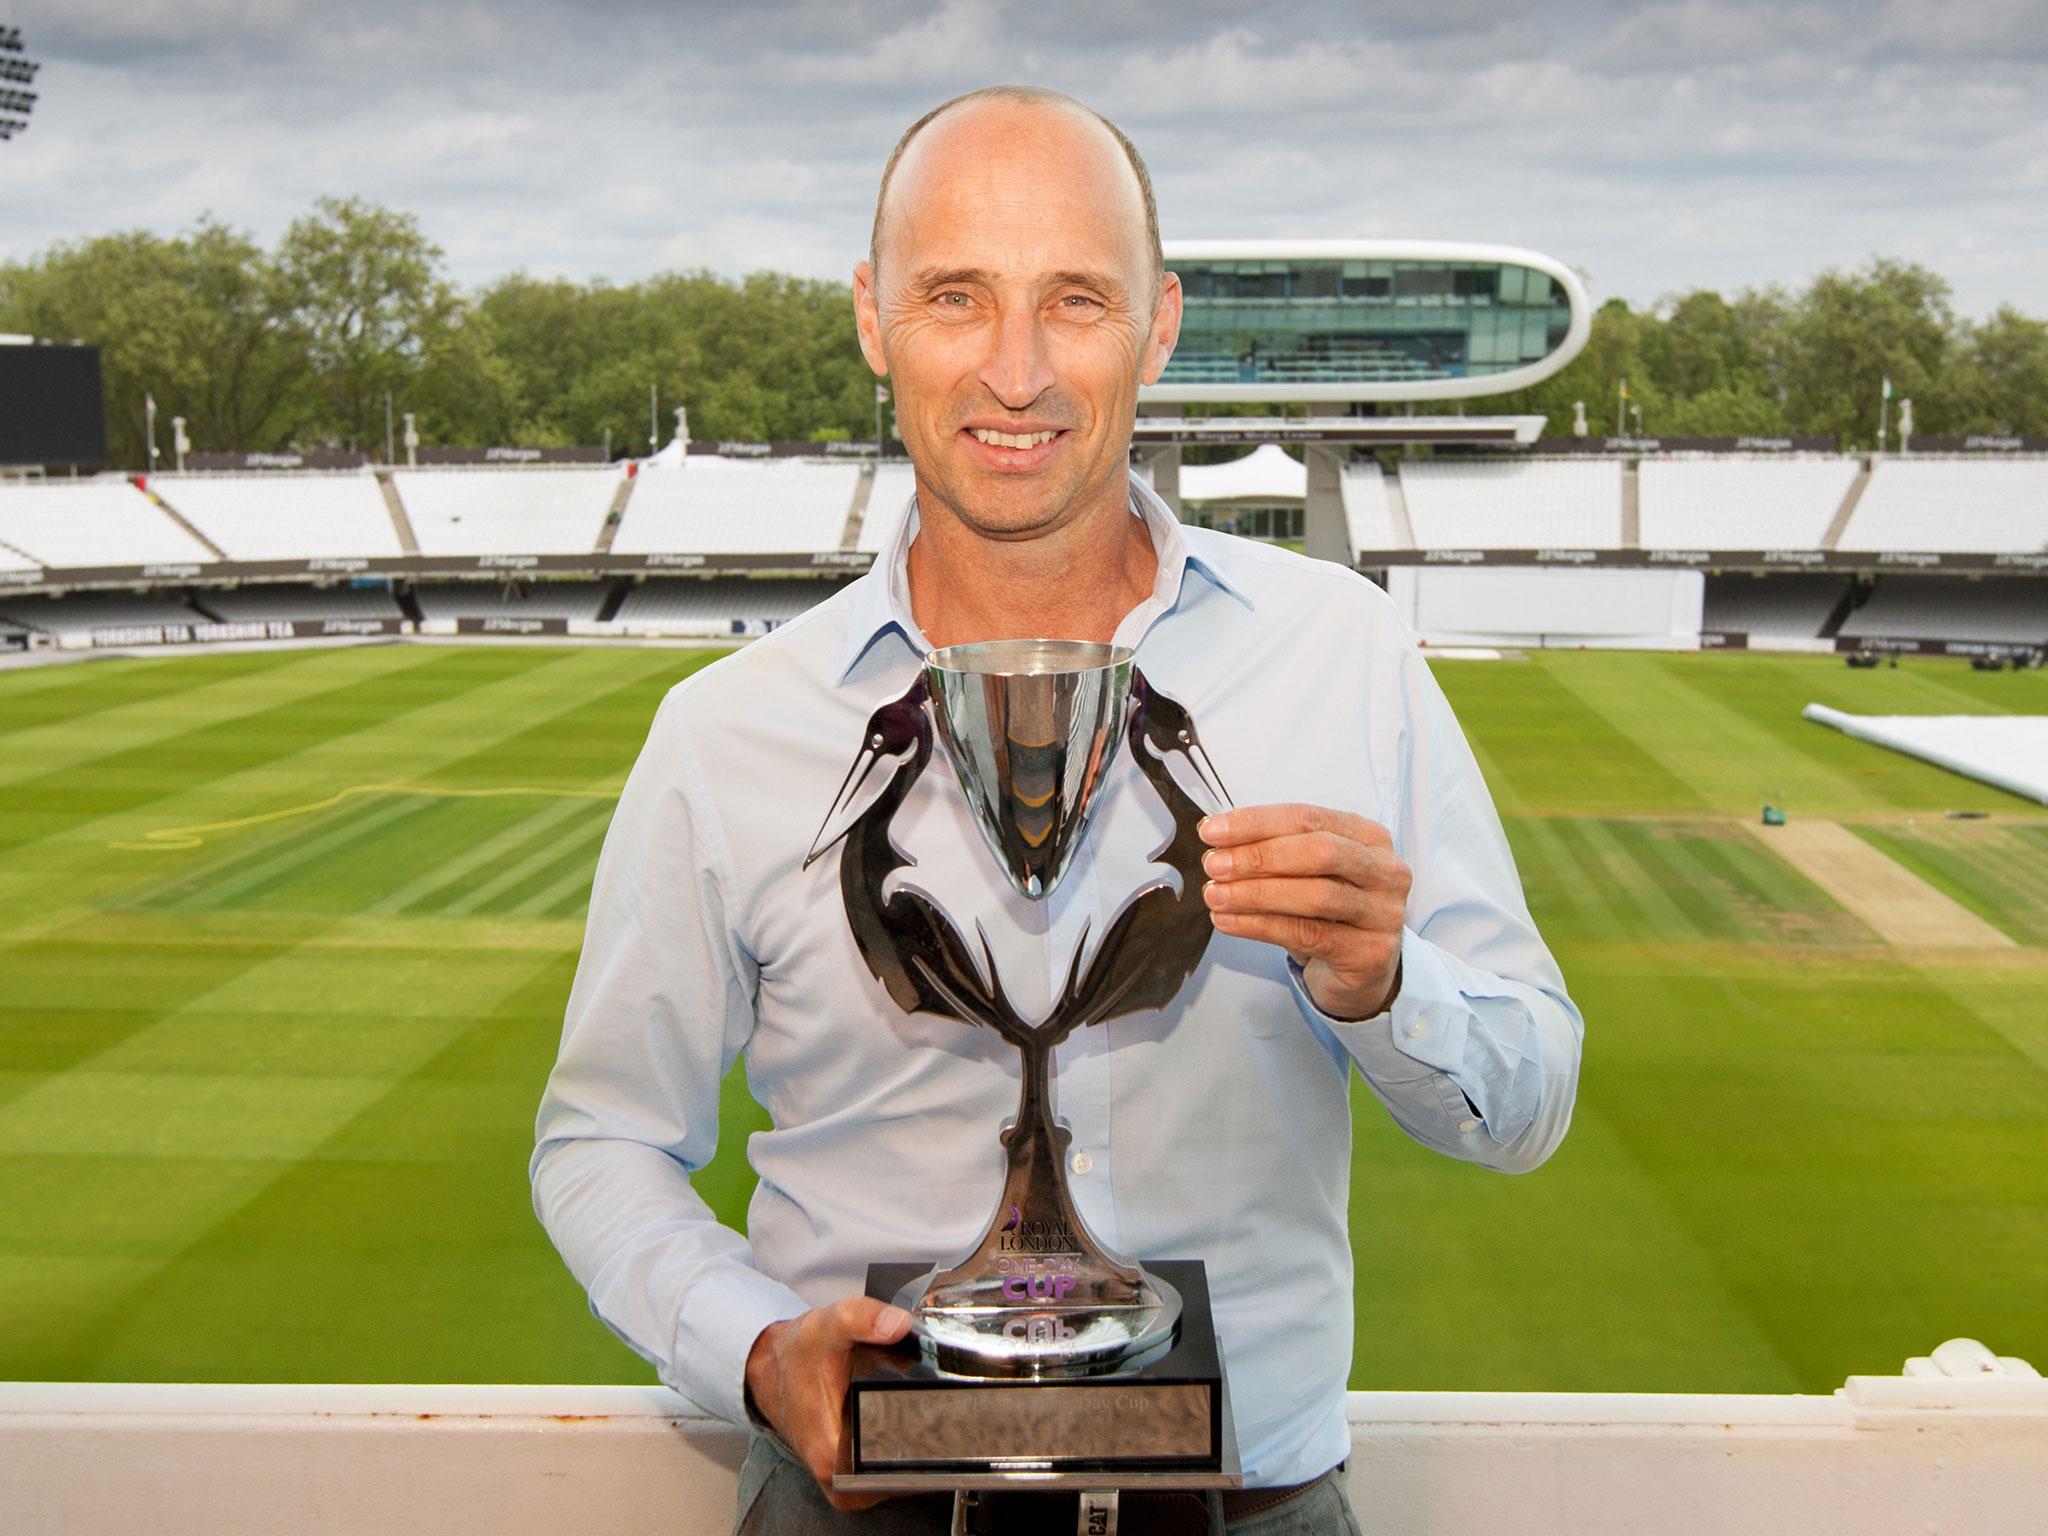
x,y
1792,605
307,604
493,599
1514,503
715,506
506,511
81,612
1740,503
1975,506
718,600
895,484
1367,513
268,517
2009,609
101,521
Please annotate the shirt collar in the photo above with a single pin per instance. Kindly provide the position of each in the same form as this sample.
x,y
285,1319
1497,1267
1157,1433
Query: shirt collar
x,y
880,601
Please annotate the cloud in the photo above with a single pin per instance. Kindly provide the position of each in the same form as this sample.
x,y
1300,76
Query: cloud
x,y
1661,146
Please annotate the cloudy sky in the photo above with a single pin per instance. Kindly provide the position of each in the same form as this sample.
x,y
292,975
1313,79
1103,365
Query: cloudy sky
x,y
1656,147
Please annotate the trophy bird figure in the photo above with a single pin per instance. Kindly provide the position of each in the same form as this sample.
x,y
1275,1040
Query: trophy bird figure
x,y
1149,949
1158,937
909,945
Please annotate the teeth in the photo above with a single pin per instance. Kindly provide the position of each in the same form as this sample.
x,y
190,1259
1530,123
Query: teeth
x,y
1011,439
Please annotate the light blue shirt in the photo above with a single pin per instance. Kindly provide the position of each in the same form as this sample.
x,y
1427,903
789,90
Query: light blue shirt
x,y
1217,1129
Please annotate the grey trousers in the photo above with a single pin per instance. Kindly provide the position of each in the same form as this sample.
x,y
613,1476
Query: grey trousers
x,y
780,1498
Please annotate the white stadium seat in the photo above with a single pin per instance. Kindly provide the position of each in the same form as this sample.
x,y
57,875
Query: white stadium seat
x,y
102,521
1367,513
1794,604
1731,503
506,511
499,599
888,501
308,604
274,517
1971,506
714,506
719,600
1514,503
2013,609
83,611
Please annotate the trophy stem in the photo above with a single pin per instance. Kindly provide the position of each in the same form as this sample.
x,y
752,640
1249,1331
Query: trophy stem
x,y
1039,1295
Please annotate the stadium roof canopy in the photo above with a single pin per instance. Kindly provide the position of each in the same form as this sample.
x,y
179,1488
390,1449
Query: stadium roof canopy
x,y
1350,320
1266,474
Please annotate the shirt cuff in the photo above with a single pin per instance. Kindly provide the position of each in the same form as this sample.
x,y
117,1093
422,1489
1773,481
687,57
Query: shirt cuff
x,y
1423,1027
715,1332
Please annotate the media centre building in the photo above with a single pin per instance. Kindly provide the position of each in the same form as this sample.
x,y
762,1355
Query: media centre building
x,y
1374,337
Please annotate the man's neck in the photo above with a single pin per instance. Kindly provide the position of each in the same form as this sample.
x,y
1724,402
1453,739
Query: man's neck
x,y
1075,582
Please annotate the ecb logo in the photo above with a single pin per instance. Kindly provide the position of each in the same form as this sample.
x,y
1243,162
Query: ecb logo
x,y
1037,1330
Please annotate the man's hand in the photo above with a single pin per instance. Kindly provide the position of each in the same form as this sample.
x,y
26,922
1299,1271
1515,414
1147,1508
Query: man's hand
x,y
1324,885
797,1373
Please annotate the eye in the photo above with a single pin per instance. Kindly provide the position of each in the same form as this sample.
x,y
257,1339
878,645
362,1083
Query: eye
x,y
1081,301
954,299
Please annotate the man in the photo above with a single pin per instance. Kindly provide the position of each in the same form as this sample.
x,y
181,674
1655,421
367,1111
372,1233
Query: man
x,y
1366,907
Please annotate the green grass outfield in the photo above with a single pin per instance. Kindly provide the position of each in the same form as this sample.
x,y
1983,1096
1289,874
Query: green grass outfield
x,y
285,938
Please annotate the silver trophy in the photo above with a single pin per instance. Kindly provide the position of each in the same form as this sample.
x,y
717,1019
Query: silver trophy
x,y
1032,727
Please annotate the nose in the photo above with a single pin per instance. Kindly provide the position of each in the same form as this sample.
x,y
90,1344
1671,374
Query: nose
x,y
1017,370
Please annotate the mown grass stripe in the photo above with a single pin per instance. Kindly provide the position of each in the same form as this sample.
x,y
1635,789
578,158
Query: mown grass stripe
x,y
540,859
1604,880
1708,900
572,882
1966,878
281,863
423,730
420,892
194,707
1660,887
2024,867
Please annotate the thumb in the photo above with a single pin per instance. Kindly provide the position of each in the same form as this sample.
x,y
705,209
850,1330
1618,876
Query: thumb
x,y
868,1321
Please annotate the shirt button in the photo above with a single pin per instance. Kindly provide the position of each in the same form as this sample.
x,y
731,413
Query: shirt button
x,y
1415,1030
1468,1125
1081,1162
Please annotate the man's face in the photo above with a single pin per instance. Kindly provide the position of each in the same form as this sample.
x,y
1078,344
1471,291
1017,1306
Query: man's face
x,y
1016,313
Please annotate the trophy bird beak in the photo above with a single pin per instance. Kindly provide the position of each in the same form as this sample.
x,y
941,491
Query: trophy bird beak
x,y
858,791
1211,781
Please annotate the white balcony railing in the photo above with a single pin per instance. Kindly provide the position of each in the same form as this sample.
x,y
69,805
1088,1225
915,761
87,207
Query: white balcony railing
x,y
1926,1453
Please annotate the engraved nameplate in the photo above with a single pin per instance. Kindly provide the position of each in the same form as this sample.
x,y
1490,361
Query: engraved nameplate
x,y
1040,1423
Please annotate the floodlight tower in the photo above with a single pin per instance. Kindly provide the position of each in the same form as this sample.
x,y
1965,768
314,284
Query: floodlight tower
x,y
16,70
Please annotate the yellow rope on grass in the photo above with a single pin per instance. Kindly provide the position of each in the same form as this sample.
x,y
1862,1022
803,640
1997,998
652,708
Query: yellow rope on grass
x,y
180,839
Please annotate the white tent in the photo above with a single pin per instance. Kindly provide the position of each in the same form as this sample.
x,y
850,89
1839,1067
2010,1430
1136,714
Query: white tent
x,y
1265,475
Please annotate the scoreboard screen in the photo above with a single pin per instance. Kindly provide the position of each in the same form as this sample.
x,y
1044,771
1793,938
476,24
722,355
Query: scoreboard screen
x,y
51,408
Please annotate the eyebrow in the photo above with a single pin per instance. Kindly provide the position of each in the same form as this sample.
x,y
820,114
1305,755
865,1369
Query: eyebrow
x,y
940,277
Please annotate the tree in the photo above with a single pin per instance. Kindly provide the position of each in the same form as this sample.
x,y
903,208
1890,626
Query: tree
x,y
1850,331
1997,381
195,320
365,289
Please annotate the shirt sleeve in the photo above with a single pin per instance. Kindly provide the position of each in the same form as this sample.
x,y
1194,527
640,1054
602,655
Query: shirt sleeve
x,y
662,1005
1478,1056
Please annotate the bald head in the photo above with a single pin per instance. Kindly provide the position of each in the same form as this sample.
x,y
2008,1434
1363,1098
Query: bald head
x,y
1005,110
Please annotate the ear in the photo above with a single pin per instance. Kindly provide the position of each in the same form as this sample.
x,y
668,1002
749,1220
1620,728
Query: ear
x,y
1164,333
867,319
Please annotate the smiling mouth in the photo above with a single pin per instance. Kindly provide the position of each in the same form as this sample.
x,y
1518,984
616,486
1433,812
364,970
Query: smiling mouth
x,y
1010,439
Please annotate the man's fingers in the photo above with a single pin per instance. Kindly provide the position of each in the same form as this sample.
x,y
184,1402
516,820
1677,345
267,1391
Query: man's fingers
x,y
1340,946
1336,901
1256,823
1300,853
864,1320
